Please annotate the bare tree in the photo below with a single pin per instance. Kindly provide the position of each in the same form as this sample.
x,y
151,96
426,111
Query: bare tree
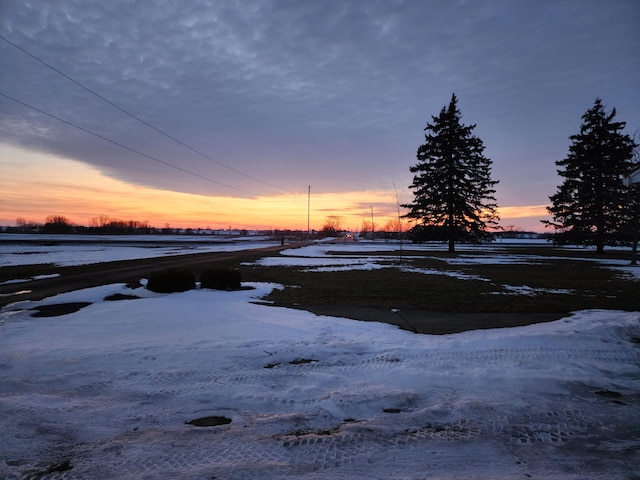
x,y
333,225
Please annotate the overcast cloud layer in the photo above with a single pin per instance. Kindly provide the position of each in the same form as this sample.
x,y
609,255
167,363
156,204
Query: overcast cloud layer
x,y
332,94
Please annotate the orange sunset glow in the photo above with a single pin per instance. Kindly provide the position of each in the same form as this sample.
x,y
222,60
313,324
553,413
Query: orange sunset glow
x,y
80,192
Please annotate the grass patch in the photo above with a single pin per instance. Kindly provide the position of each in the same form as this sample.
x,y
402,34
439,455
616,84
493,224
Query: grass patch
x,y
386,288
560,281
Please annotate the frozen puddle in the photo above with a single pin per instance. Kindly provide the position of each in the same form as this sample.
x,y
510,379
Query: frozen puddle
x,y
205,384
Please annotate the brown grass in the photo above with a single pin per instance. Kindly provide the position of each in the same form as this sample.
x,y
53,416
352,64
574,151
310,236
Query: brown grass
x,y
586,283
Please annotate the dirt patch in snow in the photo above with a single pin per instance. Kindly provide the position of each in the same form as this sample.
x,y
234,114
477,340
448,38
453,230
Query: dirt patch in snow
x,y
212,421
59,309
434,323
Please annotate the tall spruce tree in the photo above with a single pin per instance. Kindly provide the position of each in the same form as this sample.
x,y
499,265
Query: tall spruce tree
x,y
452,183
590,206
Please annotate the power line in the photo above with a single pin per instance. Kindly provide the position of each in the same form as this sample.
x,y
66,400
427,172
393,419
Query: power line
x,y
151,157
126,112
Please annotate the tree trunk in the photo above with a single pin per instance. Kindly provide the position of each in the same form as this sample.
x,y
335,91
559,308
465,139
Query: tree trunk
x,y
600,233
600,224
636,227
450,212
451,233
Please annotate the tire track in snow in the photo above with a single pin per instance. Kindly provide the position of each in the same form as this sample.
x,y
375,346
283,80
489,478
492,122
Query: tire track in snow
x,y
244,456
239,455
262,448
199,382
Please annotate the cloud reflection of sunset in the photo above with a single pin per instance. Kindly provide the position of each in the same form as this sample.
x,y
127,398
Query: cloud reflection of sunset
x,y
81,192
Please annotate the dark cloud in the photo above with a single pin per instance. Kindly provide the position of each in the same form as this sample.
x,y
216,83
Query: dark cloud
x,y
329,93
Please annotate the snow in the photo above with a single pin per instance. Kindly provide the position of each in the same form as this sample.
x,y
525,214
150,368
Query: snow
x,y
625,269
35,277
65,250
105,392
530,291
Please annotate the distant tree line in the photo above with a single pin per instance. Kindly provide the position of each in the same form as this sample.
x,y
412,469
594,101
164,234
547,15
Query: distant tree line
x,y
101,224
333,227
106,224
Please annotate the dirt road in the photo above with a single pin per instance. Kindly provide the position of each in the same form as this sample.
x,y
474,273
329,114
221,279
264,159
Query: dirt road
x,y
85,276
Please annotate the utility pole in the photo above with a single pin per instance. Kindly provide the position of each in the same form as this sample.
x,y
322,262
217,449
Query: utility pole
x,y
399,221
309,215
373,237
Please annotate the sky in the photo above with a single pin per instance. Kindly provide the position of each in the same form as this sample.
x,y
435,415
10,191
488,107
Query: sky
x,y
108,390
229,114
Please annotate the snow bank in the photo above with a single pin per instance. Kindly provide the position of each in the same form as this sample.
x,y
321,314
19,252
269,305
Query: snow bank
x,y
105,393
95,252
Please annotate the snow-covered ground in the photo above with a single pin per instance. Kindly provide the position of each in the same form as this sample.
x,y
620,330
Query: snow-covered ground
x,y
65,250
321,257
106,392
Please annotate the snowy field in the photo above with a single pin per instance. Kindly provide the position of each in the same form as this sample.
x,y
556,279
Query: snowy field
x,y
108,391
353,256
65,250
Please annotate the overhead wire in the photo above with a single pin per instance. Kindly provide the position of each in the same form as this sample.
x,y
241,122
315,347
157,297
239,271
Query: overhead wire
x,y
144,122
151,157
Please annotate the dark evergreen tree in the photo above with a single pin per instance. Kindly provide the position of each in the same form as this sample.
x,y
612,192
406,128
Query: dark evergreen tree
x,y
633,205
591,205
452,183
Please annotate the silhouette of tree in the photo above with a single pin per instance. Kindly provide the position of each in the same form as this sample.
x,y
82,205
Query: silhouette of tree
x,y
57,224
452,186
591,205
332,225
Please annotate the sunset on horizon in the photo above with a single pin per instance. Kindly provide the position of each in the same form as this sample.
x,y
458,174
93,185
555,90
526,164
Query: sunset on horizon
x,y
83,193
277,115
